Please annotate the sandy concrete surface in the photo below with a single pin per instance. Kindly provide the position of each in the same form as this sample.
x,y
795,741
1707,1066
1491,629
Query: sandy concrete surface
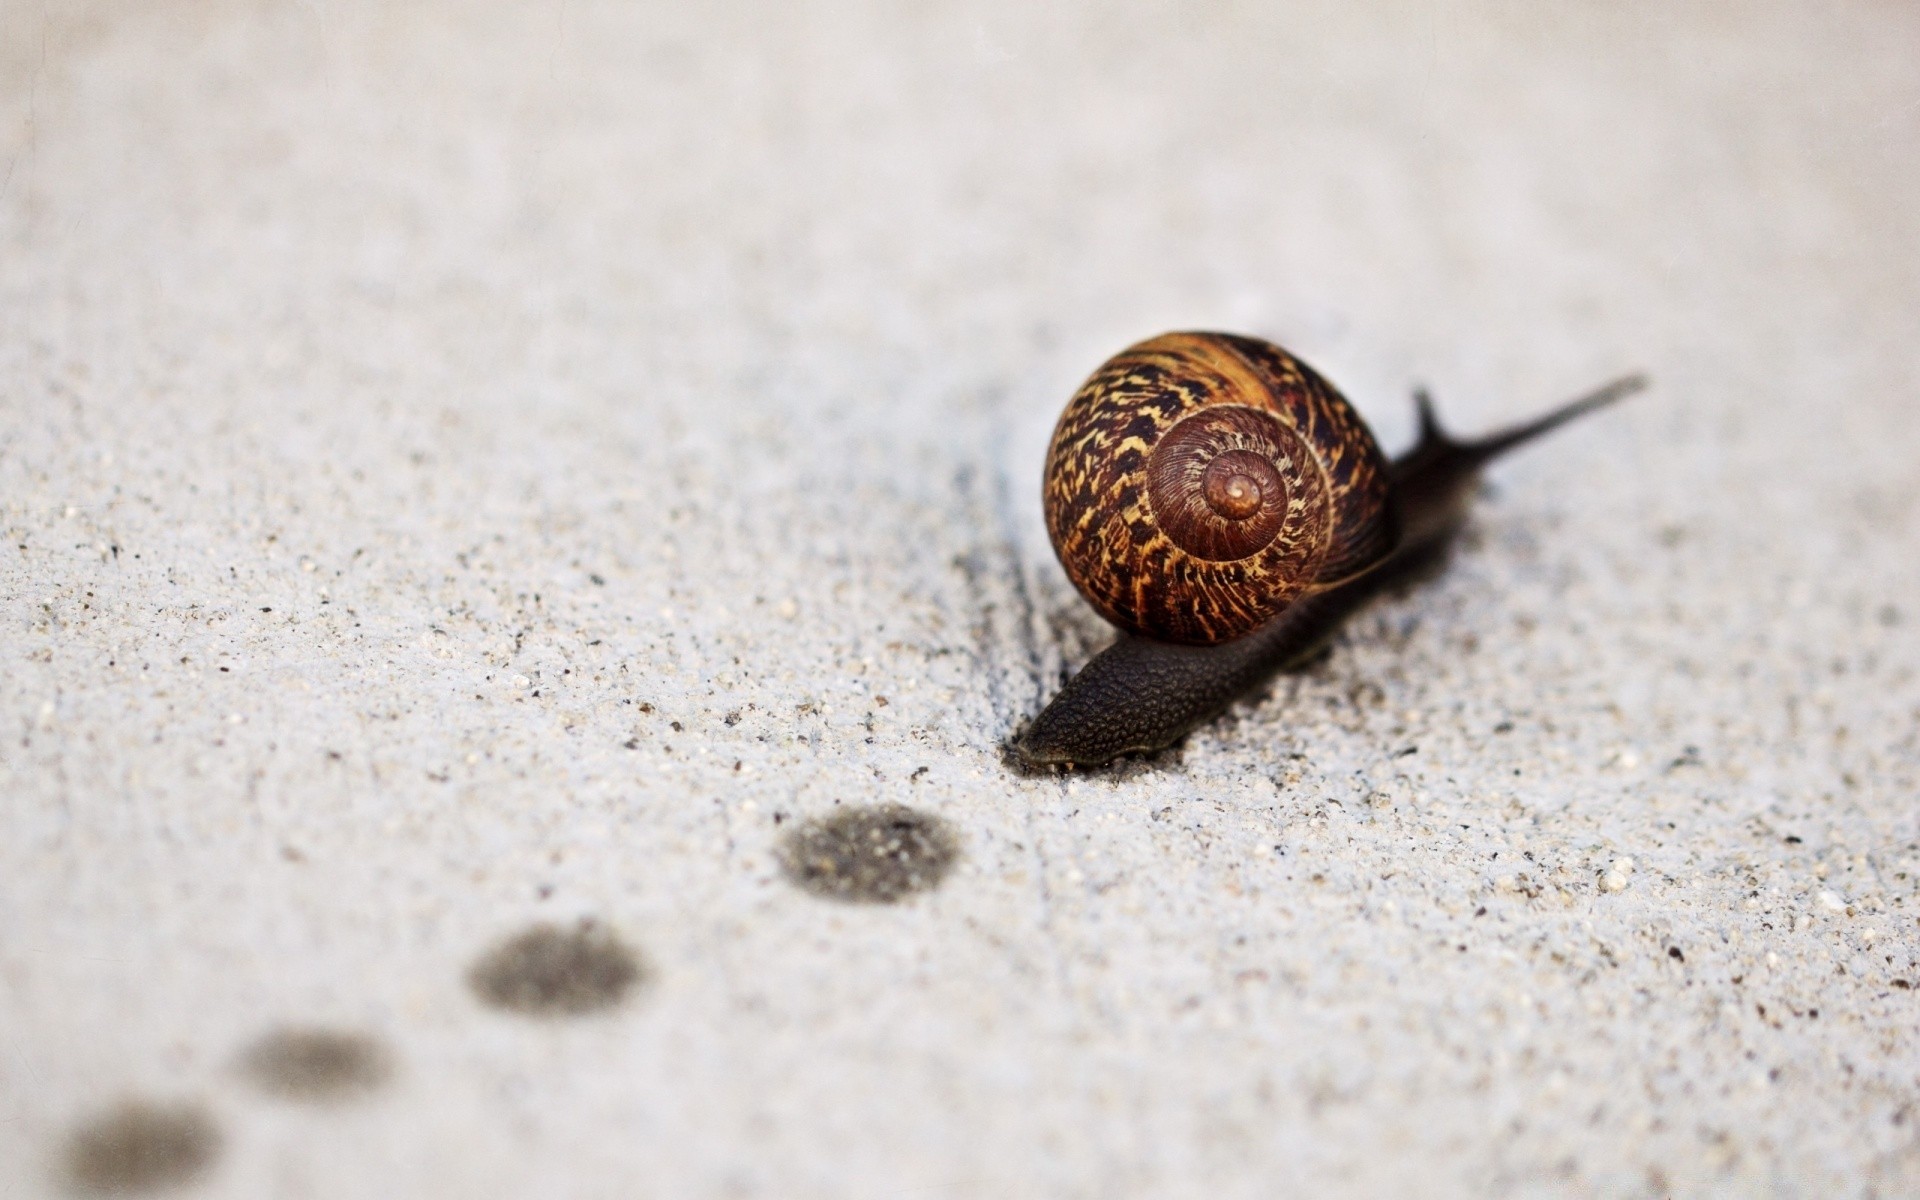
x,y
477,477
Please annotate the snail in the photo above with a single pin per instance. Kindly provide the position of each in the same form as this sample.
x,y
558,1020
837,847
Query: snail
x,y
1227,508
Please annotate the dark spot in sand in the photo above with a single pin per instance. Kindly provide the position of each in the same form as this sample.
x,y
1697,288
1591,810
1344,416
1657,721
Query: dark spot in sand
x,y
317,1064
1673,952
1689,757
873,855
551,971
140,1146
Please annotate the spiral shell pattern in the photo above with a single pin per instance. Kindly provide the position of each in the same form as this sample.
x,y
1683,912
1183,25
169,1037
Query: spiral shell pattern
x,y
1198,483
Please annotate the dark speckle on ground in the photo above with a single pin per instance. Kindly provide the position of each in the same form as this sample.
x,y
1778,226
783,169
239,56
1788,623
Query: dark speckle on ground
x,y
554,971
317,1064
875,855
141,1146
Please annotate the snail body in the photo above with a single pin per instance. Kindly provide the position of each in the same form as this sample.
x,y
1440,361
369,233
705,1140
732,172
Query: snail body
x,y
1198,632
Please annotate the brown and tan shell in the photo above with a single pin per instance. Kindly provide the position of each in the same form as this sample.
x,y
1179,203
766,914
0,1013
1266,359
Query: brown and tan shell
x,y
1198,483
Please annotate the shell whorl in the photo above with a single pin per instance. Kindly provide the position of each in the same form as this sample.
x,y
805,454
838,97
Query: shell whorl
x,y
1198,483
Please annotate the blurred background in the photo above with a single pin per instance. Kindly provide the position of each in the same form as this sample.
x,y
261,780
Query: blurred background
x,y
477,468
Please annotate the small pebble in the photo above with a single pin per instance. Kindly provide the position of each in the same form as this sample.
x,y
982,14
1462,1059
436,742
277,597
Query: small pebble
x,y
1615,880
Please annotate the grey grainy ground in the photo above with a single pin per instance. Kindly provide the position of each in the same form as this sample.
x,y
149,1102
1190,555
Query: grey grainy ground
x,y
474,466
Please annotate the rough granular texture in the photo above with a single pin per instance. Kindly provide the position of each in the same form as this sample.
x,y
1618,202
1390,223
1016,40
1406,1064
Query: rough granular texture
x,y
141,1146
871,855
470,463
548,971
317,1064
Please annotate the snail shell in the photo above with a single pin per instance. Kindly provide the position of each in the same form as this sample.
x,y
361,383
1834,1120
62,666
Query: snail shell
x,y
1198,483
